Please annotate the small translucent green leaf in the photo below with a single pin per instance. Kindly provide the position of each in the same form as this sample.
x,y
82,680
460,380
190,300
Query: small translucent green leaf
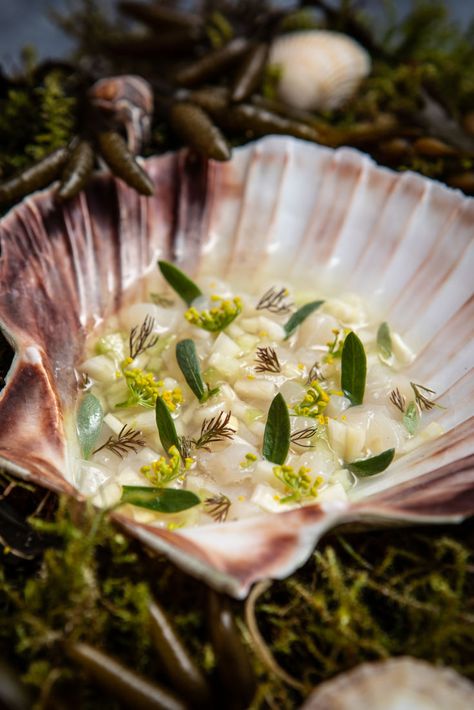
x,y
299,316
89,423
189,364
166,427
375,464
276,438
410,418
353,368
161,500
179,282
384,341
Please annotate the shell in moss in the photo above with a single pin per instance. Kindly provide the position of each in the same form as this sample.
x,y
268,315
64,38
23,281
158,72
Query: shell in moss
x,y
318,70
397,684
280,207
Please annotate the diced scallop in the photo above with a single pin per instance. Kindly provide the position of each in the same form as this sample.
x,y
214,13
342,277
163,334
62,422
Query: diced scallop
x,y
165,319
337,405
91,476
349,309
332,497
292,392
317,329
346,440
267,498
100,368
321,460
256,389
224,466
381,431
107,495
401,350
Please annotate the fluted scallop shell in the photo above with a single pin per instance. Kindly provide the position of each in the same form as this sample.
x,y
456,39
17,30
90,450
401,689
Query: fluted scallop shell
x,y
397,684
281,207
320,70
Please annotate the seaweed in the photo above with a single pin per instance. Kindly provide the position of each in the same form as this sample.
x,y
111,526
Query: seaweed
x,y
361,596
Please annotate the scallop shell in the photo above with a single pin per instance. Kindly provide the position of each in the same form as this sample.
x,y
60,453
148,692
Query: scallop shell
x,y
281,207
397,684
320,70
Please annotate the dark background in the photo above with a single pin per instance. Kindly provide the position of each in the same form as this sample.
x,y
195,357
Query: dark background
x,y
27,22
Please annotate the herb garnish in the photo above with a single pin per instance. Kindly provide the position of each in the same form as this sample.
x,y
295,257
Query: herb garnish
x,y
89,423
188,362
421,399
314,373
128,439
398,399
410,418
267,360
141,338
166,427
353,368
299,316
179,282
217,507
372,465
298,482
301,435
384,342
275,301
276,438
161,500
213,430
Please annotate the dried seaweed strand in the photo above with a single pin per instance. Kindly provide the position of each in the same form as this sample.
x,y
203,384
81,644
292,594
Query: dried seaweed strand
x,y
141,338
267,360
303,435
275,301
217,507
421,399
398,399
128,439
214,430
260,647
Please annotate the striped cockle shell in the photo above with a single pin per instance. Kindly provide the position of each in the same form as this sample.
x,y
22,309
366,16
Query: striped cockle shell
x,y
281,208
320,70
396,684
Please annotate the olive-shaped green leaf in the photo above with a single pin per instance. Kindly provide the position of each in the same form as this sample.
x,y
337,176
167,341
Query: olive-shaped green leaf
x,y
384,341
162,500
179,282
188,362
375,464
299,316
410,418
166,427
89,423
353,369
276,438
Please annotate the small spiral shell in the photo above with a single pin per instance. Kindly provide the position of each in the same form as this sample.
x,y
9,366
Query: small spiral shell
x,y
320,70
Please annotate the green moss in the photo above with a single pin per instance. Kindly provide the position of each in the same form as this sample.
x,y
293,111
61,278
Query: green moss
x,y
361,596
35,120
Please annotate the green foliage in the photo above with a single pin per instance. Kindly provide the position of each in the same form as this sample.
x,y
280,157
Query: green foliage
x,y
34,121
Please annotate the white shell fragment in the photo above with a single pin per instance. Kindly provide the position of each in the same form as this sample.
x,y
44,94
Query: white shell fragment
x,y
320,70
397,684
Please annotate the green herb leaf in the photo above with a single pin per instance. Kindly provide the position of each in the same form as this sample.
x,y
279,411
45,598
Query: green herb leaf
x,y
353,369
184,287
166,427
299,316
189,364
375,464
162,500
89,423
410,418
276,438
384,341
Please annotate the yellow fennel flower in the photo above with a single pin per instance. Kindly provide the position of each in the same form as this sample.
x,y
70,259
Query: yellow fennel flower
x,y
216,318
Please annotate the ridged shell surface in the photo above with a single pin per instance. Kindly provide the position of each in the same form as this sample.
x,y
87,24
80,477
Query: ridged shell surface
x,y
397,684
280,208
319,70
